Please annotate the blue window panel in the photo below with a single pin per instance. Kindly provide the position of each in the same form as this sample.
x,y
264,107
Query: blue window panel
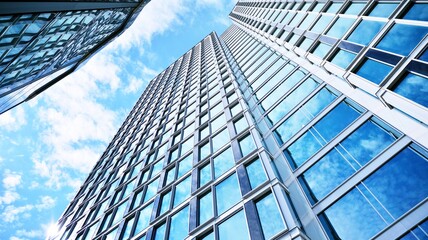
x,y
321,50
210,236
383,9
305,114
227,194
160,232
321,24
340,27
182,191
418,232
241,125
228,229
268,72
283,88
223,162
274,80
126,232
365,32
143,218
205,175
341,162
220,140
184,166
373,71
247,145
413,87
166,201
152,189
334,7
343,58
256,173
424,56
179,227
205,208
384,196
270,216
355,8
321,133
204,151
418,11
402,39
294,98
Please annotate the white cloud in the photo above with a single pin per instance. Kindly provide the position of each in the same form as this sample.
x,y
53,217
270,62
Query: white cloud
x,y
11,179
12,213
9,197
13,119
30,233
134,85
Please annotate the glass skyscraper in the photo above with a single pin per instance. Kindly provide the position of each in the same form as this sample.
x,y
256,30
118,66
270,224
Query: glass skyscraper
x,y
303,120
42,42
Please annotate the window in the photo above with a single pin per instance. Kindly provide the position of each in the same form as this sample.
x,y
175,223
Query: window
x,y
220,140
179,227
223,162
204,151
270,216
383,9
256,173
365,32
321,133
240,125
379,202
340,27
143,218
205,208
151,189
407,35
182,190
373,71
166,202
346,158
343,58
247,145
418,11
227,194
184,165
227,230
413,87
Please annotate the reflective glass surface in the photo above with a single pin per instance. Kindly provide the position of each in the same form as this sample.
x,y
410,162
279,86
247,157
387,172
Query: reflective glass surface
x,y
340,27
321,50
227,230
223,162
182,191
143,218
413,87
206,208
179,227
382,9
343,58
256,173
407,35
270,216
373,70
365,32
227,193
418,11
247,145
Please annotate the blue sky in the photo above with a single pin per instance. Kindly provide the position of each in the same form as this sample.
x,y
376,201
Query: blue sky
x,y
49,145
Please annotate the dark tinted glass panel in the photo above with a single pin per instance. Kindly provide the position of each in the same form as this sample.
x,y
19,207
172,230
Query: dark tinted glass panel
x,y
373,70
413,87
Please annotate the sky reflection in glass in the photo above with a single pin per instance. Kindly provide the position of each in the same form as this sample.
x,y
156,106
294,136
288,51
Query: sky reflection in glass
x,y
373,71
223,162
402,38
228,230
365,32
269,216
256,173
413,87
227,193
179,227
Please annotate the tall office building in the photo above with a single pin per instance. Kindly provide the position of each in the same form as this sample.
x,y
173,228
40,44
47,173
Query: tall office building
x,y
42,42
303,120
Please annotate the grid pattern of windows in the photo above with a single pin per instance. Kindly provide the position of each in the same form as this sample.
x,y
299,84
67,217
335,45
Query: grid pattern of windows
x,y
185,163
246,137
37,46
375,46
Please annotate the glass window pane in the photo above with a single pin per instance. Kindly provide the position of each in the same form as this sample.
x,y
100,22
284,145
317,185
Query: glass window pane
x,y
407,35
223,162
227,193
160,232
270,216
152,189
322,132
240,125
354,8
185,165
305,114
418,11
321,50
204,151
256,173
143,218
204,175
228,231
365,32
373,71
126,232
413,87
321,23
179,227
343,58
205,208
383,9
166,202
247,145
220,140
340,27
182,191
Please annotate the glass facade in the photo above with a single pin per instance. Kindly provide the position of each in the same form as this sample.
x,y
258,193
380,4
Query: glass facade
x,y
39,48
290,125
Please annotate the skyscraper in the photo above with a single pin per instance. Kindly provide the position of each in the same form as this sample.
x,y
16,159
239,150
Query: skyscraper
x,y
42,42
303,120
